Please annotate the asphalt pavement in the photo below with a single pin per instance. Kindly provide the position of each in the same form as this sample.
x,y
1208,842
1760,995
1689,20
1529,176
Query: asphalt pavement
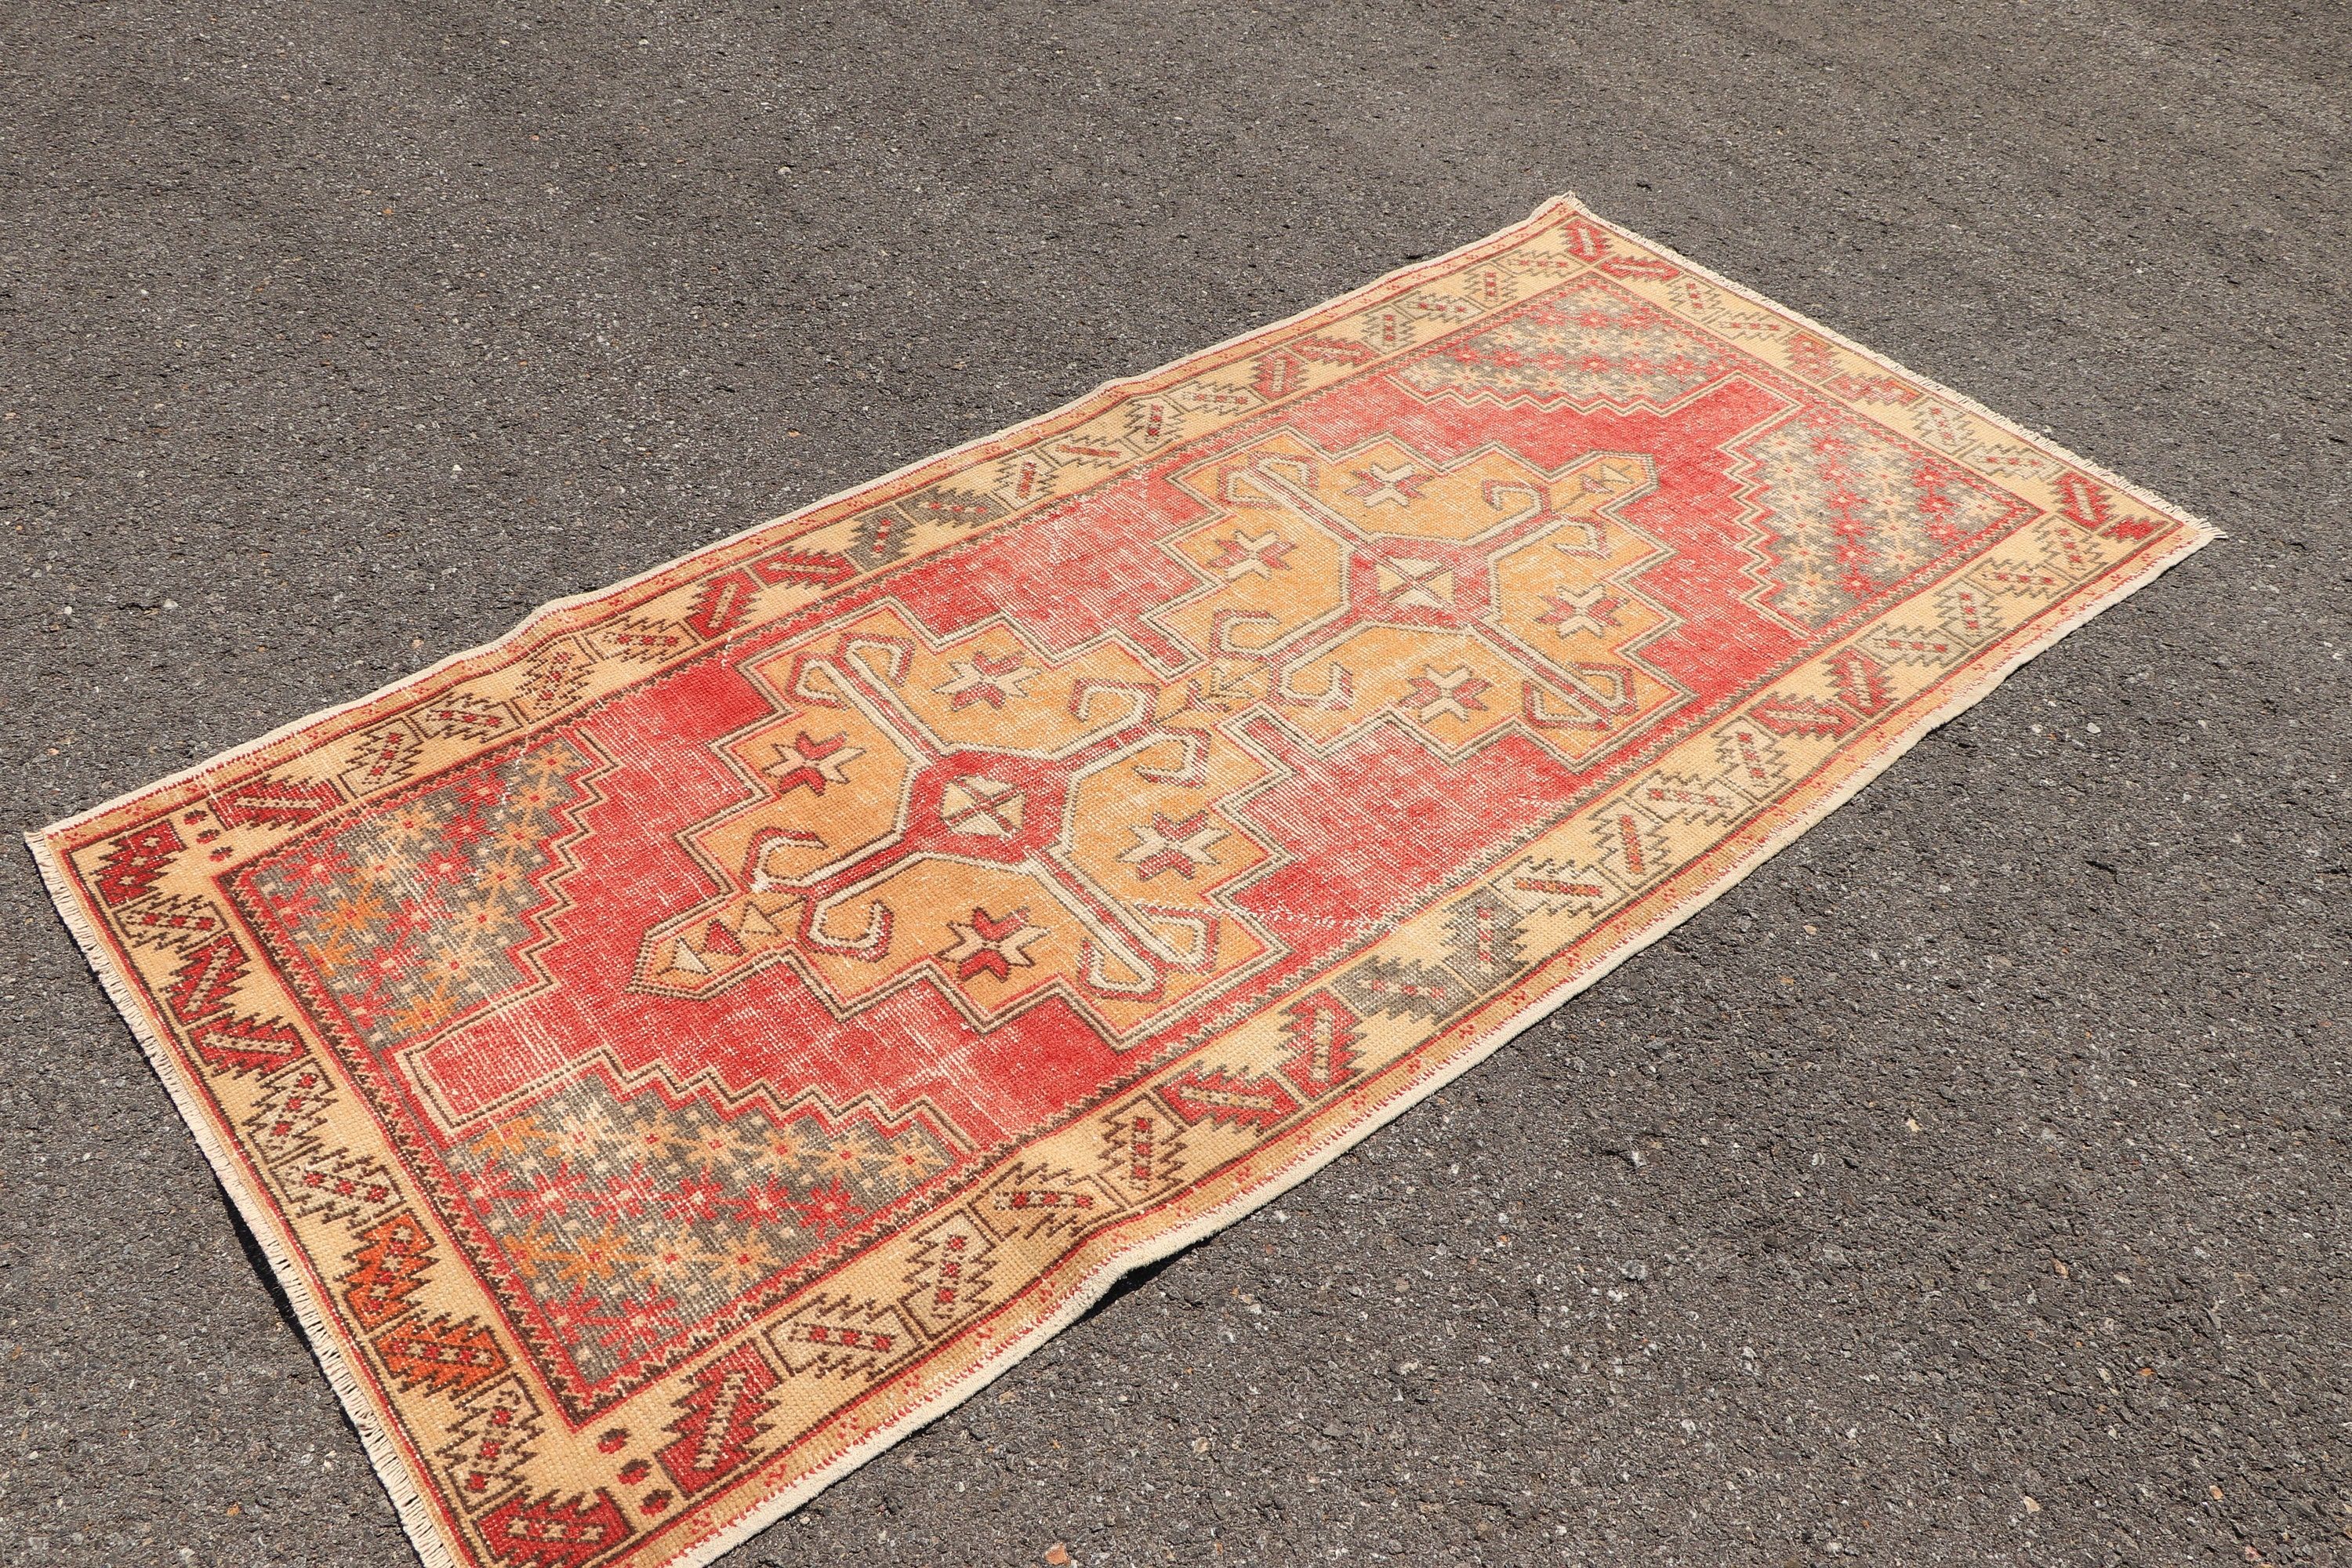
x,y
1969,1186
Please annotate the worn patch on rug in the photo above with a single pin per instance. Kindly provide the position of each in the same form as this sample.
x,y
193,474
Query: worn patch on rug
x,y
670,1054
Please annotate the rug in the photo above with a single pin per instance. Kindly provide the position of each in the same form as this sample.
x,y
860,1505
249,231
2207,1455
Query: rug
x,y
675,1051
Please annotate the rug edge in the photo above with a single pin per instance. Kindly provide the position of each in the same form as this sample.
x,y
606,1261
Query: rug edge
x,y
419,1517
326,1347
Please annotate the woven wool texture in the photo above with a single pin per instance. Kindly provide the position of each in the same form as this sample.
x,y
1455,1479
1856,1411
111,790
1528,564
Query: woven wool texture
x,y
674,1051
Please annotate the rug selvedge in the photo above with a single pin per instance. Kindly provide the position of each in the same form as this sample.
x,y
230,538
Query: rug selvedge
x,y
679,1048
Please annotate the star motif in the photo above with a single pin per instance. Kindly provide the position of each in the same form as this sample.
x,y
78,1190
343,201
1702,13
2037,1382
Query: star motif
x,y
983,678
1251,555
1592,609
991,944
1383,486
1453,695
813,764
1165,844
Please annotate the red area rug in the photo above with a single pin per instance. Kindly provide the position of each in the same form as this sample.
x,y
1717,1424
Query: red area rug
x,y
674,1051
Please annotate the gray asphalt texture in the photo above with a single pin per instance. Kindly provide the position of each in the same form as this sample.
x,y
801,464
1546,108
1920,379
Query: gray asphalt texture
x,y
1970,1186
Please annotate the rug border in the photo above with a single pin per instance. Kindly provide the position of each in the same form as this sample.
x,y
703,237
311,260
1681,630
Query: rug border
x,y
420,1515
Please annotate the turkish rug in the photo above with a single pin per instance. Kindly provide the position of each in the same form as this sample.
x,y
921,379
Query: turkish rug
x,y
672,1053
